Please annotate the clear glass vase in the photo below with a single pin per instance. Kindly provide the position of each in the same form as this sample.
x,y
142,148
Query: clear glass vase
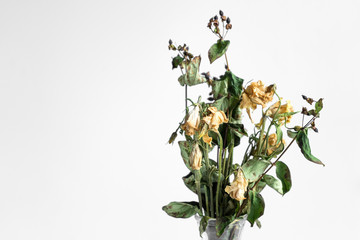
x,y
231,232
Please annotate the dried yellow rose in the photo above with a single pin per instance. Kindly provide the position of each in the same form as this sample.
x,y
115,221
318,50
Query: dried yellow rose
x,y
215,118
192,122
285,108
272,146
195,157
238,187
256,94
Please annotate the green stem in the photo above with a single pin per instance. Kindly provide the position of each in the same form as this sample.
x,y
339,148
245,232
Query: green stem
x,y
198,188
207,164
219,175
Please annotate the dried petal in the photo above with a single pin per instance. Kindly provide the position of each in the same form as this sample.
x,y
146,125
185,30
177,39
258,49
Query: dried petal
x,y
238,187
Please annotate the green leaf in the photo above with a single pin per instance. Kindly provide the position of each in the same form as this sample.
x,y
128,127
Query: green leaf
x,y
189,181
177,61
319,105
219,88
222,104
218,49
258,223
283,173
238,129
234,83
303,141
274,183
182,209
192,75
254,168
260,186
257,207
203,224
291,134
185,148
286,114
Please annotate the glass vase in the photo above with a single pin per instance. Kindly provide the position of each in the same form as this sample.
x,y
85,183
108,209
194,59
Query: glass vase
x,y
232,231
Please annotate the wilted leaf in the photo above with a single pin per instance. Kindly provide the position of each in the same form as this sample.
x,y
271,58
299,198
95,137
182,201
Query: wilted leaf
x,y
203,224
218,49
283,173
177,61
222,223
257,207
274,183
192,76
234,83
319,105
254,168
182,209
185,148
219,88
291,134
303,141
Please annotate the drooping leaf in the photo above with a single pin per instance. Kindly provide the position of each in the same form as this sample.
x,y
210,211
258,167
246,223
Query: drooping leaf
x,y
291,134
182,209
257,207
260,186
221,104
303,141
189,181
177,61
185,149
254,168
238,129
192,75
218,49
274,183
283,173
203,224
319,105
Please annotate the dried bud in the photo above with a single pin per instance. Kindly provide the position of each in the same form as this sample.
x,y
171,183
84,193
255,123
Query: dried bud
x,y
297,128
211,99
210,93
305,111
221,13
170,42
209,25
226,67
215,17
215,79
195,157
223,18
206,75
228,26
228,20
216,23
315,129
172,137
211,20
310,100
304,97
313,123
187,49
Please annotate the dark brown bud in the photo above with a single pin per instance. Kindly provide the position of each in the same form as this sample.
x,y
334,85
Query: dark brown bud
x,y
209,25
211,99
172,137
211,93
216,23
305,111
215,17
206,75
315,129
221,13
304,97
170,42
215,79
223,18
310,100
228,20
228,26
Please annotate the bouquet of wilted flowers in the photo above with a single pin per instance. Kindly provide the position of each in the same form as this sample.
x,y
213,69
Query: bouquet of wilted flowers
x,y
216,126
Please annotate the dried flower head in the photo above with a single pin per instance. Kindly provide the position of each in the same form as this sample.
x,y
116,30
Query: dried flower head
x,y
195,157
285,108
192,121
238,187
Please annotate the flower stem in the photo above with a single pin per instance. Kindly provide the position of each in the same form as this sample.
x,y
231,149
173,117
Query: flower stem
x,y
219,175
198,188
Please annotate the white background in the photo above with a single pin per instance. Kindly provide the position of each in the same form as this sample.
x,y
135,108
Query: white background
x,y
88,100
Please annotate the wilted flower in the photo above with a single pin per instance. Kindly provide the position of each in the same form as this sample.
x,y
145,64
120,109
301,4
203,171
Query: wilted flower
x,y
256,94
192,122
238,187
272,143
195,157
215,118
285,108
